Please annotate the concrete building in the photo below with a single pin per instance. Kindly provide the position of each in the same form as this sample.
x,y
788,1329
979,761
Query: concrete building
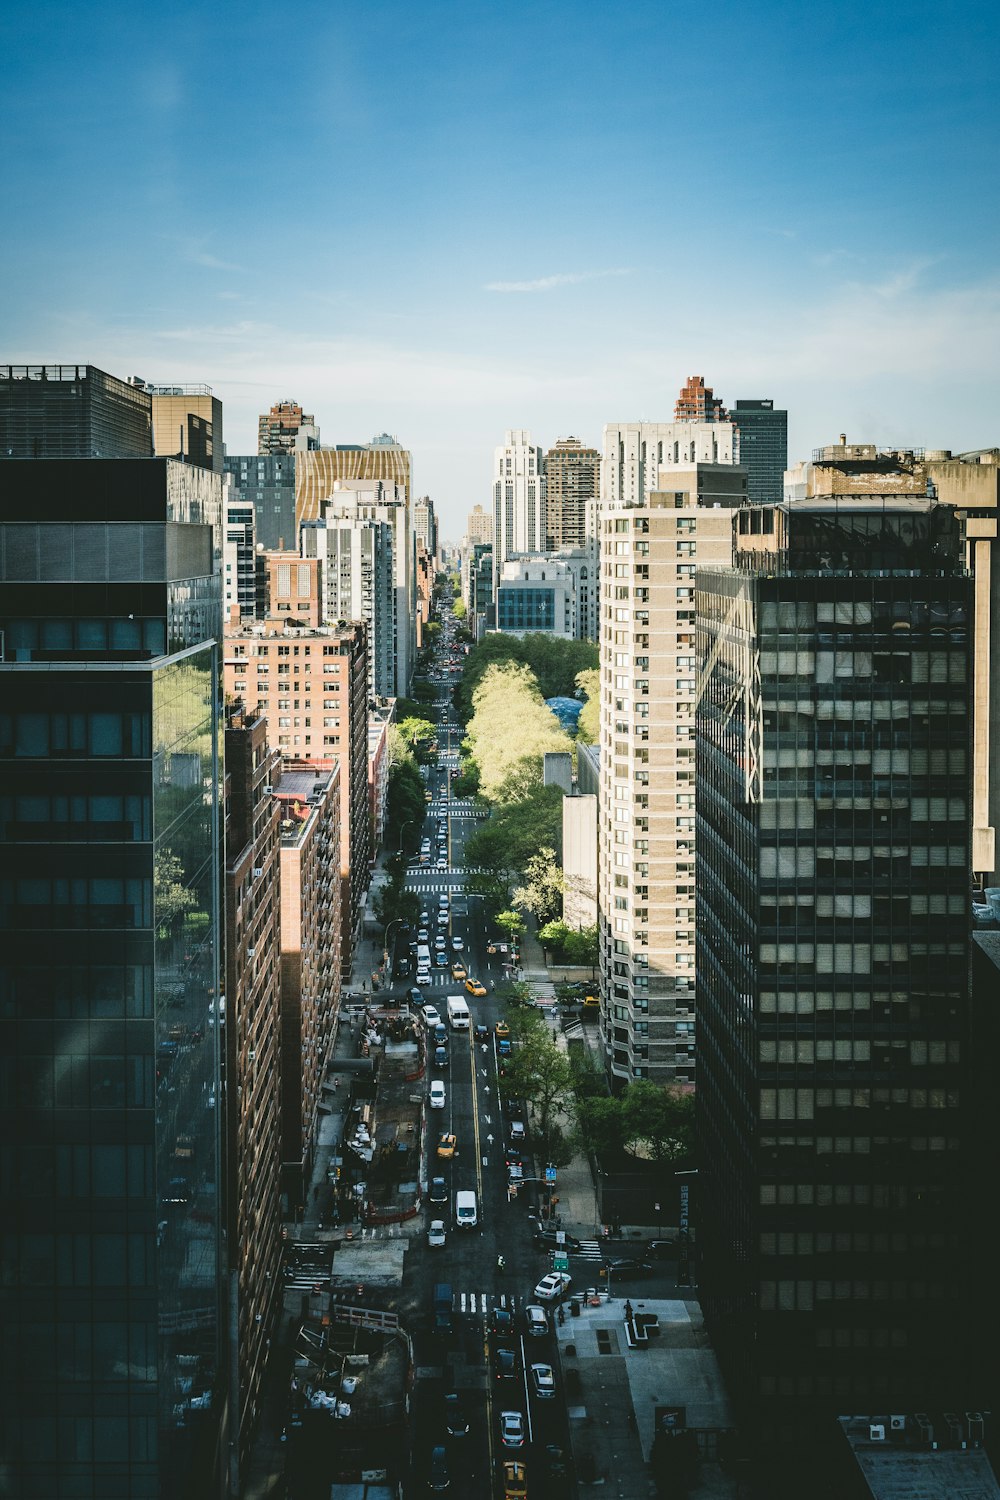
x,y
572,479
649,553
250,1101
379,720
286,429
356,549
479,526
763,450
536,594
187,423
477,588
425,526
111,1269
637,455
239,555
311,961
580,860
376,479
833,818
268,484
311,684
72,411
518,498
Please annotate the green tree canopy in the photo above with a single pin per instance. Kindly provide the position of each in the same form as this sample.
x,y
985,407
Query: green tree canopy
x,y
659,1122
541,892
459,610
510,922
588,726
554,663
511,728
540,1073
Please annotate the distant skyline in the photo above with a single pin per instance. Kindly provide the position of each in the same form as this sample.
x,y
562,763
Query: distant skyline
x,y
449,220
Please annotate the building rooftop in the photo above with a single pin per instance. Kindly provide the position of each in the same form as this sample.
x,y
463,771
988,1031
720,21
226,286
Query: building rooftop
x,y
894,1467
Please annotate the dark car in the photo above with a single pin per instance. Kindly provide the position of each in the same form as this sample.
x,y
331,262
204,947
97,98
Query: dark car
x,y
482,1033
555,1461
439,1479
513,1156
455,1420
501,1321
438,1190
440,1057
504,1364
620,1265
661,1250
440,1035
503,1047
545,1239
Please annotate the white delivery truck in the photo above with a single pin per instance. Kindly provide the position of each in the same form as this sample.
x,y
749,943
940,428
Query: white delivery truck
x,y
458,1013
466,1214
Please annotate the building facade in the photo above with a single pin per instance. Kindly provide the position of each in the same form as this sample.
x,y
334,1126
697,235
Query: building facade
x,y
572,480
239,555
311,685
536,594
356,551
697,403
310,800
187,424
518,498
833,807
479,526
286,429
649,554
111,1270
268,484
250,1101
763,449
425,525
72,411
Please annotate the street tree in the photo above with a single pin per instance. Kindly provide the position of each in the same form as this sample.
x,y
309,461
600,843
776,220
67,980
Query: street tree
x,y
541,893
588,685
512,923
659,1122
540,1073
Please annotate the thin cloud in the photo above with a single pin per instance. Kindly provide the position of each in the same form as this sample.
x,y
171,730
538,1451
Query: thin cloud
x,y
563,278
201,258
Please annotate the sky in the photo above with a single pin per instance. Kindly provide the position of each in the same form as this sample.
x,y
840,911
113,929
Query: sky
x,y
444,220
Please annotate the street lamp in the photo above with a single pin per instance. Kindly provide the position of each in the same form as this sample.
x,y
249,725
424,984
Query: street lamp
x,y
409,823
396,922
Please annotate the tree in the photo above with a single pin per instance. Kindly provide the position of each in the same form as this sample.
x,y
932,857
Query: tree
x,y
171,897
392,902
510,922
540,1073
419,735
405,804
553,936
459,610
510,729
580,947
659,1122
520,996
541,893
588,686
602,1127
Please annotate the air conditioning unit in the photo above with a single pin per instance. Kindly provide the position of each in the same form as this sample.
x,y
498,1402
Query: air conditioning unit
x,y
876,1432
258,873
897,1424
925,1428
251,953
976,1427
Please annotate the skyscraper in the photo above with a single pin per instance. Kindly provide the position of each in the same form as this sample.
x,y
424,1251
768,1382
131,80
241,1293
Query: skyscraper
x,y
355,550
648,555
639,456
286,429
72,411
268,484
425,525
763,449
697,403
833,800
111,1381
572,478
518,498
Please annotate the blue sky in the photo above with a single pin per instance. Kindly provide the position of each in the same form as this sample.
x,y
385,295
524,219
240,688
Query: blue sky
x,y
444,220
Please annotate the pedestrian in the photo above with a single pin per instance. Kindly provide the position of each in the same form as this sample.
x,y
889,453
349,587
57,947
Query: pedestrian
x,y
628,1308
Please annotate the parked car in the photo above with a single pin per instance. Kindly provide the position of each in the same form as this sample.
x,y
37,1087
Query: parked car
x,y
543,1382
661,1249
517,1131
553,1287
544,1238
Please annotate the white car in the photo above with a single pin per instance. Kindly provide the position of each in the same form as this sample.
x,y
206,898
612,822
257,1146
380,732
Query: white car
x,y
544,1381
438,1100
442,864
436,1235
457,946
440,942
554,1286
432,1016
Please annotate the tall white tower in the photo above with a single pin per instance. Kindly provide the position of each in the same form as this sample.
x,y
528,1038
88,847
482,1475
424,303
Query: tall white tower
x,y
518,498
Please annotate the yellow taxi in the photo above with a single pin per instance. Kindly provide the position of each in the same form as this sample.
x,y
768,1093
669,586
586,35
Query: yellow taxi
x,y
474,987
591,1002
458,971
446,1146
515,1480
501,1028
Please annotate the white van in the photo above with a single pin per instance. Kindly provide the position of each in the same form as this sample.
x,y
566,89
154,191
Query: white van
x,y
458,1013
423,956
466,1212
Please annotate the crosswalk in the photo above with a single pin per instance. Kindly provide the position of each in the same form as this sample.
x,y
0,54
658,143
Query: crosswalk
x,y
481,1302
589,1250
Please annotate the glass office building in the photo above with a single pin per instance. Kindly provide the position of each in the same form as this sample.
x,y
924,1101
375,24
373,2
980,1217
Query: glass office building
x,y
110,1009
833,817
72,411
763,449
